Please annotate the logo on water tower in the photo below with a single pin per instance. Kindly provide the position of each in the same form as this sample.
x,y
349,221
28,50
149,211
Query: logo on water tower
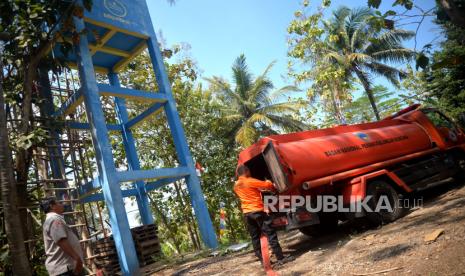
x,y
115,7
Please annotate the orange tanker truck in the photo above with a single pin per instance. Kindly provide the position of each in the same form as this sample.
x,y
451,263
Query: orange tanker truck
x,y
411,150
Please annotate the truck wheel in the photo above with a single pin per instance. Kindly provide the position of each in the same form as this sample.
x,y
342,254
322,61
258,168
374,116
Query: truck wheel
x,y
328,224
377,190
460,161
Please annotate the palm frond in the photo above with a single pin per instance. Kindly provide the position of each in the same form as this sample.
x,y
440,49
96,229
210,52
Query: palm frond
x,y
335,57
359,35
287,123
390,73
388,40
221,87
358,58
285,107
358,16
259,118
259,91
336,26
339,17
241,76
246,135
233,117
395,55
356,26
283,91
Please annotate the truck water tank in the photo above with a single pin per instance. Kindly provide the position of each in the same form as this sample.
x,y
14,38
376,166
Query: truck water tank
x,y
310,155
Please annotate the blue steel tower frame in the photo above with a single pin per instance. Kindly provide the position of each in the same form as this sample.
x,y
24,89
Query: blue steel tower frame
x,y
125,30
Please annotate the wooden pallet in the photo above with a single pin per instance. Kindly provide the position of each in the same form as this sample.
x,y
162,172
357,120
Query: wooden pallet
x,y
146,243
146,260
147,247
144,228
107,257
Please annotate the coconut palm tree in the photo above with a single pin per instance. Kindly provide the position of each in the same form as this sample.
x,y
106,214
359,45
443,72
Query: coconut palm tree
x,y
250,106
363,49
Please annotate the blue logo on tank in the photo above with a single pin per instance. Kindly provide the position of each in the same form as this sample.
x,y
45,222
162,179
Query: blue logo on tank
x,y
362,136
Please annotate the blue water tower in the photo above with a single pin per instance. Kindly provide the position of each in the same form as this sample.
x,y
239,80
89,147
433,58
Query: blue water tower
x,y
124,29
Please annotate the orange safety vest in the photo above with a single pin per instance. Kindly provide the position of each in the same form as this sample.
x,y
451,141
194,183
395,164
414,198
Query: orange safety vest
x,y
248,189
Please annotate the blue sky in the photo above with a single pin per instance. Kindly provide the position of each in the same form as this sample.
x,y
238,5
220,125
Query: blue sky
x,y
218,31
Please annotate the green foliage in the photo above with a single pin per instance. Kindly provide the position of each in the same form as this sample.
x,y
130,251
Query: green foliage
x,y
355,42
35,137
5,261
28,30
446,79
251,109
408,4
422,60
33,26
388,102
374,3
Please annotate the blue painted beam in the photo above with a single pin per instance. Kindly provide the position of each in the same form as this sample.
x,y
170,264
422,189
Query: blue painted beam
x,y
182,149
150,186
89,186
131,154
91,198
139,118
70,104
112,194
116,91
130,176
86,126
99,196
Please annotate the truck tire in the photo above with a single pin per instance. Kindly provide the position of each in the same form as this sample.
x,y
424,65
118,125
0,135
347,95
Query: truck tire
x,y
379,188
460,162
328,224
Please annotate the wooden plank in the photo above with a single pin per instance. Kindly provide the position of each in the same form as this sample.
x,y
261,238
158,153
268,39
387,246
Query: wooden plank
x,y
98,69
111,27
137,50
147,243
109,50
104,39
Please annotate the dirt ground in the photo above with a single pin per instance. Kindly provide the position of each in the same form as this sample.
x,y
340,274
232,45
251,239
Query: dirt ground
x,y
356,249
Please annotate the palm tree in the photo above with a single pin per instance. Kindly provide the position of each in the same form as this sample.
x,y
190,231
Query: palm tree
x,y
363,49
250,106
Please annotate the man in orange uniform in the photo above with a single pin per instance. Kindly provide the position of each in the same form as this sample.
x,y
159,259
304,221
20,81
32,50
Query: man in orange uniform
x,y
248,189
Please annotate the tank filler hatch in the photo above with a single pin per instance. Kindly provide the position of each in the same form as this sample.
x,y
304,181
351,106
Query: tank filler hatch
x,y
275,167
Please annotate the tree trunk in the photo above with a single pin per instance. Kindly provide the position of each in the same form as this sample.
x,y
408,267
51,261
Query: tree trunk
x,y
24,158
366,85
229,224
15,238
337,108
192,219
187,219
165,221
